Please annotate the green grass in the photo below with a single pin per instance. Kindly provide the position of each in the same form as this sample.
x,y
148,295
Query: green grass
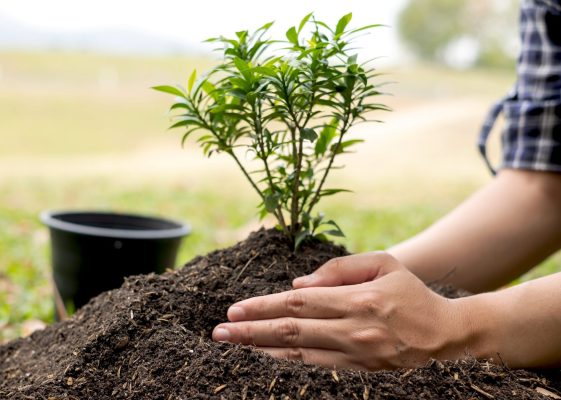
x,y
64,103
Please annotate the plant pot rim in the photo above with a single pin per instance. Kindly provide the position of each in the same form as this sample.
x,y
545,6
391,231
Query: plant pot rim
x,y
176,229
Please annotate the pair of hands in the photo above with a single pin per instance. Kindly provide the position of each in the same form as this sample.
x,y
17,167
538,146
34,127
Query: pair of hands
x,y
365,311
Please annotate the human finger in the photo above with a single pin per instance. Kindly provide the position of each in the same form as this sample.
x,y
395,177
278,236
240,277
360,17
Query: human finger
x,y
324,357
302,303
349,270
282,332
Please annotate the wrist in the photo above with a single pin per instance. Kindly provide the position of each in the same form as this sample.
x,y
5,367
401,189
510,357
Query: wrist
x,y
478,326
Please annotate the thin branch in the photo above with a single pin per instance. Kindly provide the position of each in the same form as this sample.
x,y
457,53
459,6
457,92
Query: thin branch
x,y
317,196
259,135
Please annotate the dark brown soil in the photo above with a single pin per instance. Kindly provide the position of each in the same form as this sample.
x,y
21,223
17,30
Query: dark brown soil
x,y
150,340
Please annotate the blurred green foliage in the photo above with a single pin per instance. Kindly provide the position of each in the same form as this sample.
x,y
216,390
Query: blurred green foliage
x,y
431,27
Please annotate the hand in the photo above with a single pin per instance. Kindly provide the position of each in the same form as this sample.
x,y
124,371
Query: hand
x,y
365,311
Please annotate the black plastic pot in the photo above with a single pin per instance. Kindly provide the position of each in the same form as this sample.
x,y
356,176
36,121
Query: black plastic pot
x,y
94,251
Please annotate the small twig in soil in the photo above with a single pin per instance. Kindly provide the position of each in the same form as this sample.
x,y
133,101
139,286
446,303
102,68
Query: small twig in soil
x,y
366,393
482,392
272,385
406,374
269,266
219,389
335,376
245,266
548,393
227,352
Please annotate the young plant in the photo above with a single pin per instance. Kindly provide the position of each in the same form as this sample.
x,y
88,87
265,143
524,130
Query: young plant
x,y
290,104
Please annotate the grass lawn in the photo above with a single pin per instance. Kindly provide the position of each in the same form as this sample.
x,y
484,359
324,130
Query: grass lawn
x,y
84,131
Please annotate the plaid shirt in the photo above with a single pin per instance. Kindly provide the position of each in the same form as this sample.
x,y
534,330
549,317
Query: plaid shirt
x,y
532,135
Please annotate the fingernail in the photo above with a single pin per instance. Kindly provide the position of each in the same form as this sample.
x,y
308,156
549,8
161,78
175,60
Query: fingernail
x,y
236,313
304,280
221,335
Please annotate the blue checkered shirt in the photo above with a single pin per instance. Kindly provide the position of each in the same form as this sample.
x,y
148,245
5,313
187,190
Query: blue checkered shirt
x,y
532,135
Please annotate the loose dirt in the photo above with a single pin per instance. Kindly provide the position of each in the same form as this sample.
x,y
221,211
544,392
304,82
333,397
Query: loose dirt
x,y
150,339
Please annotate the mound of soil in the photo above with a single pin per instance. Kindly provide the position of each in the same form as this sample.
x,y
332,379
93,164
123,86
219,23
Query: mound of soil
x,y
150,339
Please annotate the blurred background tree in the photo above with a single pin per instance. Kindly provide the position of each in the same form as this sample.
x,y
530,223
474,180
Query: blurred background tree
x,y
461,33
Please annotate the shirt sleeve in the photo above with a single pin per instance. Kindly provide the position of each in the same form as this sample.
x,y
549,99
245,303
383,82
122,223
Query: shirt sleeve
x,y
532,134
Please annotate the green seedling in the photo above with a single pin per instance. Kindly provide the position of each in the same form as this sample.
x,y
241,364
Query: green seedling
x,y
289,104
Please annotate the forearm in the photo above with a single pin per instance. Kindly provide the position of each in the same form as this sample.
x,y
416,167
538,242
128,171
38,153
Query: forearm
x,y
519,325
496,235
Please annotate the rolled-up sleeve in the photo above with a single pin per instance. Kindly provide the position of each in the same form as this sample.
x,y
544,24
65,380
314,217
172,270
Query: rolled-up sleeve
x,y
531,138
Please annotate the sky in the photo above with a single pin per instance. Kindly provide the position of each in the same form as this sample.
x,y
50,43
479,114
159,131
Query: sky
x,y
190,22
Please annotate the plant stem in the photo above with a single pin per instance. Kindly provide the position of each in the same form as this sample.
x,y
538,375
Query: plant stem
x,y
293,127
246,174
317,196
259,135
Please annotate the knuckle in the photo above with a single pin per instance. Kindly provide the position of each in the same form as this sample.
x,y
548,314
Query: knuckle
x,y
368,303
245,335
295,354
295,302
384,256
368,336
288,332
386,259
336,263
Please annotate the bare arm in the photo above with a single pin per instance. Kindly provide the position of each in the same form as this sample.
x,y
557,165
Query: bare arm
x,y
521,324
496,235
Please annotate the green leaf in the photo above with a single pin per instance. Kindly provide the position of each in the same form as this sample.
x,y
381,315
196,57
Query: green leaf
x,y
304,21
264,70
262,213
186,135
243,67
240,94
292,36
178,105
191,81
241,35
326,136
342,24
272,202
333,232
169,89
185,121
342,147
300,237
240,64
363,28
308,134
210,89
266,26
330,192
